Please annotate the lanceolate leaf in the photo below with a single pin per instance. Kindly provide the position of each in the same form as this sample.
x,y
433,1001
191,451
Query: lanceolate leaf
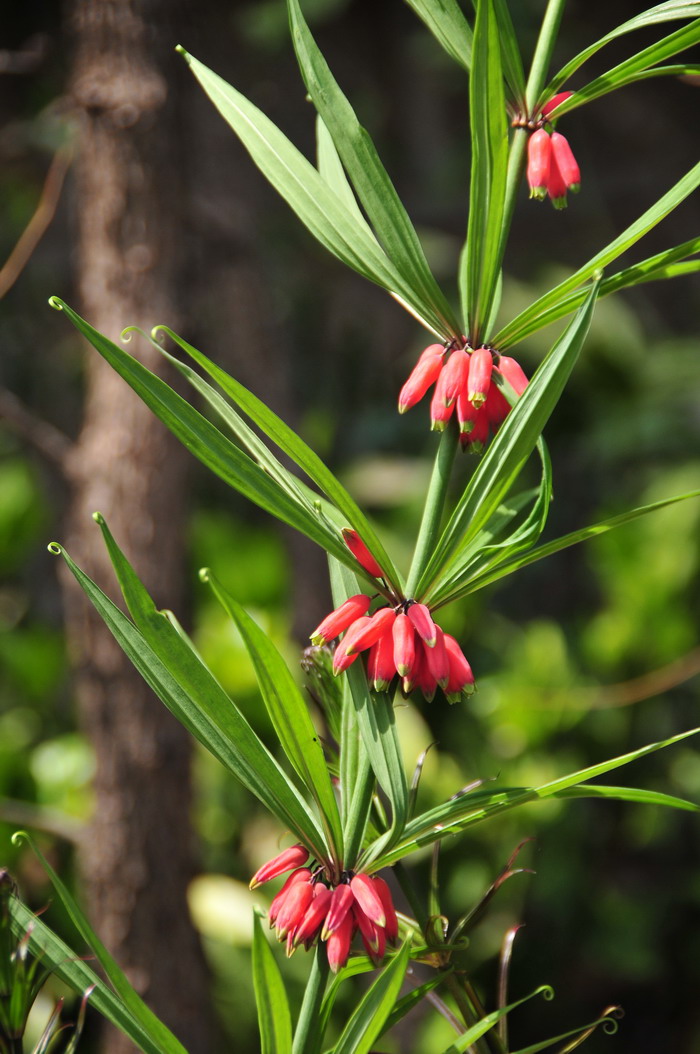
x,y
628,71
487,1023
367,1022
445,20
208,444
274,1017
295,448
459,813
511,333
331,169
147,1020
511,60
191,692
375,190
304,190
289,714
481,257
79,977
668,12
508,452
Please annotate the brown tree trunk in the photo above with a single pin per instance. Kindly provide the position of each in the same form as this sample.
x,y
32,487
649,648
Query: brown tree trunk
x,y
138,859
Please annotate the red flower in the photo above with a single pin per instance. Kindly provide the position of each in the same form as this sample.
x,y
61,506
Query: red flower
x,y
361,553
555,101
285,861
539,156
339,620
552,169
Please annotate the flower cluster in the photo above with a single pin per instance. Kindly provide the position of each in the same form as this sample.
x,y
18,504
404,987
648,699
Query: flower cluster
x,y
465,383
309,907
552,169
401,640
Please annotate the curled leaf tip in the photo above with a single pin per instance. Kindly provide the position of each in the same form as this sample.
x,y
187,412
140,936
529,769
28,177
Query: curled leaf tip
x,y
125,335
204,574
158,333
55,548
99,519
56,303
546,991
18,837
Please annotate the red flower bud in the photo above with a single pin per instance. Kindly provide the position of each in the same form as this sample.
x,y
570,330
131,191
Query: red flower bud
x,y
339,620
475,441
380,663
437,660
453,377
302,875
424,373
496,406
379,623
293,909
341,659
392,926
556,187
338,945
423,677
295,856
539,154
555,101
513,373
403,644
342,899
423,624
440,411
566,162
361,553
315,914
461,677
373,936
367,897
480,367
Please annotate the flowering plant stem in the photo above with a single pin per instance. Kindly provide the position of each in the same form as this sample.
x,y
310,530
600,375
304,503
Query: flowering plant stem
x,y
433,509
307,1037
543,50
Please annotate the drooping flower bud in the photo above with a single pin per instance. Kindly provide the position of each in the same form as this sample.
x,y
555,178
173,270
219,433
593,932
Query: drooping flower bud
x,y
339,620
424,679
380,663
475,441
513,373
496,407
293,909
480,367
342,899
342,658
467,413
338,945
454,376
423,624
556,187
461,678
566,162
373,936
361,553
295,856
555,101
392,926
424,373
379,623
367,897
440,411
302,875
539,155
403,644
437,660
315,914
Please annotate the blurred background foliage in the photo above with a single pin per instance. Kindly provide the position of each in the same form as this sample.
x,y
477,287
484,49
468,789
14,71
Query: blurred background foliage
x,y
587,655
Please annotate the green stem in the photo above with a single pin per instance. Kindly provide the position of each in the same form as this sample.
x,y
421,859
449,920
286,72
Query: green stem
x,y
543,51
307,1037
432,512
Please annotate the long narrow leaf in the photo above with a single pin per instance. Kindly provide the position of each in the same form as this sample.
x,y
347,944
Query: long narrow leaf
x,y
511,59
209,714
274,1017
289,714
302,454
511,333
304,190
367,1022
487,1023
509,451
64,963
133,1002
331,169
447,23
375,190
481,257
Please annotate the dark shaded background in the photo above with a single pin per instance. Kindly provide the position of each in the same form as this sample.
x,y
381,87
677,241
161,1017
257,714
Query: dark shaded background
x,y
566,653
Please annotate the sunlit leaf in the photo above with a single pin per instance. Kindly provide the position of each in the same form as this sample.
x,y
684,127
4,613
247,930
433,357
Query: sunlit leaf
x,y
367,1021
274,1017
447,23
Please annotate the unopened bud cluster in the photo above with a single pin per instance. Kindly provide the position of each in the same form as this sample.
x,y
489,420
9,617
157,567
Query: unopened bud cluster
x,y
402,640
465,384
552,169
309,908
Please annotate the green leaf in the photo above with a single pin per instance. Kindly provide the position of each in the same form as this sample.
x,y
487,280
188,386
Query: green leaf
x,y
633,794
375,190
331,169
367,1021
304,190
274,1017
288,713
481,257
628,71
408,1002
667,12
508,453
161,1036
445,20
487,1023
198,701
208,444
511,333
573,538
511,60
375,719
302,455
457,814
653,269
608,1022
